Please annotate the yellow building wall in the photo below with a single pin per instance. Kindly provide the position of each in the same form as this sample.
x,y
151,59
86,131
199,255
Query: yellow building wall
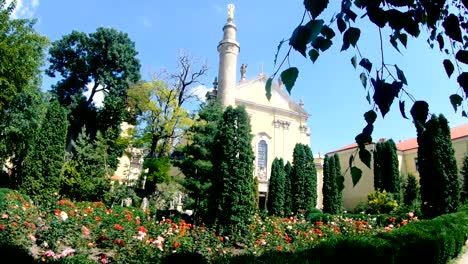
x,y
353,195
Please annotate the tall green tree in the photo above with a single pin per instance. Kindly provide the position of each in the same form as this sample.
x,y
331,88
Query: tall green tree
x,y
276,194
22,49
197,156
387,175
86,173
440,188
19,128
310,181
103,61
44,165
378,181
287,189
339,178
329,189
298,179
411,190
464,175
233,204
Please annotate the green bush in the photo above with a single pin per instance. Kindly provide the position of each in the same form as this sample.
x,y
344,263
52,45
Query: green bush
x,y
381,202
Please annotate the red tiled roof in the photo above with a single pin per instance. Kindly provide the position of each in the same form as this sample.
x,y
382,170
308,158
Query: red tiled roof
x,y
412,143
350,146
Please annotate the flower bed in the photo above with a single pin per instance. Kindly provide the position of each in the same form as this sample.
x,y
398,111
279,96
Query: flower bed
x,y
128,235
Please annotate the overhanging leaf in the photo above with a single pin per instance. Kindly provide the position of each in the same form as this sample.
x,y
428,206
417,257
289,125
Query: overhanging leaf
x,y
366,64
370,117
351,159
303,35
456,101
464,114
321,43
403,38
354,61
463,81
327,32
365,156
449,68
363,139
356,175
341,24
289,77
368,97
393,42
452,27
462,56
268,88
401,75
350,37
363,78
367,130
315,7
419,111
402,109
313,55
277,51
440,40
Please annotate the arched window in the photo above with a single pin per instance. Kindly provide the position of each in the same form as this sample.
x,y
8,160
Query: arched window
x,y
262,155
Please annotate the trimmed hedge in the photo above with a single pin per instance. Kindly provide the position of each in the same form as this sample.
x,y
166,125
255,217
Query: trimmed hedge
x,y
427,241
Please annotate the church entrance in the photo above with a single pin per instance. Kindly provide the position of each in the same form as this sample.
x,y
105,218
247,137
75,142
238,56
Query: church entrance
x,y
262,201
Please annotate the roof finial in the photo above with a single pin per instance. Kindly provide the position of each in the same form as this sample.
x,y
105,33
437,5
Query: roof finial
x,y
231,8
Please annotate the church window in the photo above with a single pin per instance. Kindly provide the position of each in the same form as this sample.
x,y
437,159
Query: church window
x,y
262,154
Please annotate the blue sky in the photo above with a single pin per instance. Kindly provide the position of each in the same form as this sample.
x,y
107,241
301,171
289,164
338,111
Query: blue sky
x,y
330,88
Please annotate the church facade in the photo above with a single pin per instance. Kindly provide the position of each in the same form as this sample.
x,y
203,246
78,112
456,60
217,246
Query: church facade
x,y
277,124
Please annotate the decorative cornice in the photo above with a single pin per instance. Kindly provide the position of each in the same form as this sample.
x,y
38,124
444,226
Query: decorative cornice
x,y
271,109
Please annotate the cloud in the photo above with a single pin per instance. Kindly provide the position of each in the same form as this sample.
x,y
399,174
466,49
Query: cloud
x,y
24,8
98,98
200,92
147,23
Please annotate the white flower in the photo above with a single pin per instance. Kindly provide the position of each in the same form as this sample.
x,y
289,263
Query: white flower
x,y
289,227
63,215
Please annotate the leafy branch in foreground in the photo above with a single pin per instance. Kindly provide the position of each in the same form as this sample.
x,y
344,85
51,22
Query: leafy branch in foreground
x,y
447,22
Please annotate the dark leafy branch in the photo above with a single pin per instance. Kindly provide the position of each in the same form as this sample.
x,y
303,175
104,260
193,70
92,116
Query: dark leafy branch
x,y
447,22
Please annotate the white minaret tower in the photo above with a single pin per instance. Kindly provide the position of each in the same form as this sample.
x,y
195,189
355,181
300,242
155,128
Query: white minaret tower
x,y
228,49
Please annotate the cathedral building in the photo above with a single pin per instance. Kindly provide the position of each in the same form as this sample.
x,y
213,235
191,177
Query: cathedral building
x,y
277,124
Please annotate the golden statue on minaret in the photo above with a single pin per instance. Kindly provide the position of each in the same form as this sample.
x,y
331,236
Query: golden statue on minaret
x,y
231,12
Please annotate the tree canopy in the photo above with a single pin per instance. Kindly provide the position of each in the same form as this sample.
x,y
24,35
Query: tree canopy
x,y
103,61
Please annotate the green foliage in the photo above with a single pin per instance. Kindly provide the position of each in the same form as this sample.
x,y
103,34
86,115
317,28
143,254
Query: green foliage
x,y
276,193
386,168
158,172
411,190
256,196
44,165
289,77
288,189
19,127
310,181
464,175
102,61
440,187
381,202
22,49
329,186
298,176
86,175
232,205
196,163
356,175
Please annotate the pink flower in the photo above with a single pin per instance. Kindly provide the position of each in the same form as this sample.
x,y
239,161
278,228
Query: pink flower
x,y
411,214
49,253
85,231
67,252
